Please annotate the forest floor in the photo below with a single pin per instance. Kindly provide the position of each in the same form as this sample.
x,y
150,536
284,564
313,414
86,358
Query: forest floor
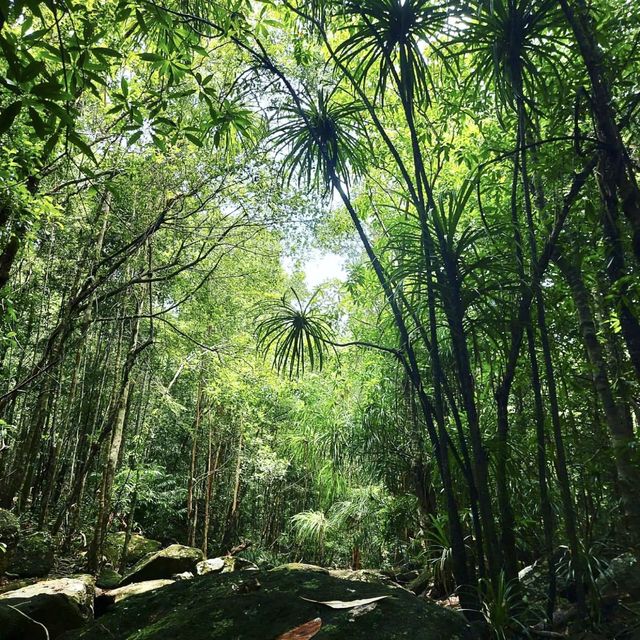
x,y
174,594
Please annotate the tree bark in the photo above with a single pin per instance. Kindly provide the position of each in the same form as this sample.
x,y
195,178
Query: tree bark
x,y
617,416
116,429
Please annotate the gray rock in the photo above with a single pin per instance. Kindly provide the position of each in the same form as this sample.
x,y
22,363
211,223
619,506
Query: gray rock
x,y
622,575
108,578
114,596
225,564
212,565
223,606
535,578
185,575
57,605
137,548
164,564
300,566
362,575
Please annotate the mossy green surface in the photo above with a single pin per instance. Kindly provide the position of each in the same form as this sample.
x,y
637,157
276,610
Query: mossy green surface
x,y
230,607
137,548
165,563
32,556
9,527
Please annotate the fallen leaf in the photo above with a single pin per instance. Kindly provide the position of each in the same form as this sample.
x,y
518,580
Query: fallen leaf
x,y
304,631
344,604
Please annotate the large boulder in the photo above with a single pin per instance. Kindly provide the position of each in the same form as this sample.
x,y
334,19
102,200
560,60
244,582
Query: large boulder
x,y
106,599
534,578
137,547
264,605
33,555
164,564
224,564
362,575
621,576
122,593
300,566
108,578
54,605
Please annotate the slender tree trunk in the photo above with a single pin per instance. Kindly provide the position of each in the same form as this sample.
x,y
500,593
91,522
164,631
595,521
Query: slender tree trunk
x,y
192,513
116,429
568,503
546,509
617,416
127,534
616,175
212,467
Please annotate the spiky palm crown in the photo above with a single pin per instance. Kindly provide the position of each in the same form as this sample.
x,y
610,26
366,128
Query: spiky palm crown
x,y
320,139
387,37
510,41
298,334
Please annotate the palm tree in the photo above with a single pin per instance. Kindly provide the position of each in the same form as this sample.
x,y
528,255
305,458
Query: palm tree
x,y
510,41
314,144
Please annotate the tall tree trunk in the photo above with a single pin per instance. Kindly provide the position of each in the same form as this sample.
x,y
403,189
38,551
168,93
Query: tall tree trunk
x,y
192,512
116,429
617,415
616,176
568,504
212,468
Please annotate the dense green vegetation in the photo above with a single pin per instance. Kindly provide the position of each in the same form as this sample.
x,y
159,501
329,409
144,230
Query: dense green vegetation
x,y
466,399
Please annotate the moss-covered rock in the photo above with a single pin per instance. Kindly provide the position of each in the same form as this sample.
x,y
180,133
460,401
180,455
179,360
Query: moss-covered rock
x,y
108,578
32,556
164,564
113,596
225,564
362,575
263,605
300,566
621,576
137,548
212,565
59,605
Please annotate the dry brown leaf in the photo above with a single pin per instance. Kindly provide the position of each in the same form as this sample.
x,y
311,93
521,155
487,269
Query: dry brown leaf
x,y
346,604
304,631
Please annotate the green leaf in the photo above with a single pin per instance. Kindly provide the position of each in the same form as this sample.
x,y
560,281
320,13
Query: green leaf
x,y
197,141
59,112
38,123
32,70
8,115
47,90
80,144
134,138
105,51
151,57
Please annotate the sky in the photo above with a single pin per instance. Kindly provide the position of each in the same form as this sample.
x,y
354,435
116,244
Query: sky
x,y
320,267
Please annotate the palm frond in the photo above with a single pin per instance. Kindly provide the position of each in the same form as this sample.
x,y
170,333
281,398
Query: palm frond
x,y
320,138
387,37
509,41
298,334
